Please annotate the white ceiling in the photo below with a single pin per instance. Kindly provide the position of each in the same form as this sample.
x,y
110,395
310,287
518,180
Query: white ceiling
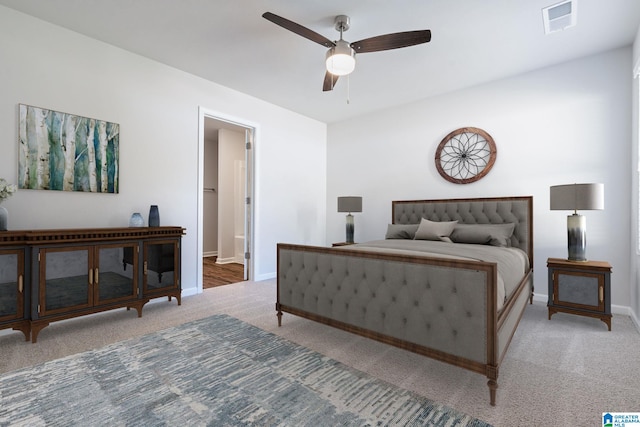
x,y
229,42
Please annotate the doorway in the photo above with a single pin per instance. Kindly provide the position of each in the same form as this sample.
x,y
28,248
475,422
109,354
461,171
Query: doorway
x,y
225,214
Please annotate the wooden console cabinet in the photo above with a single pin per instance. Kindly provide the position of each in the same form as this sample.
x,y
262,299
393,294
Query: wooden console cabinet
x,y
50,275
13,293
582,288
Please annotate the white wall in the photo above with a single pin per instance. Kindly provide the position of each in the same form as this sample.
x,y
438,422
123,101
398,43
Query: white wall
x,y
157,109
635,169
564,124
560,125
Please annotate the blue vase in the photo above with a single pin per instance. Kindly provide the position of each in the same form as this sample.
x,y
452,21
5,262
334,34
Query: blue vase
x,y
4,219
136,220
154,216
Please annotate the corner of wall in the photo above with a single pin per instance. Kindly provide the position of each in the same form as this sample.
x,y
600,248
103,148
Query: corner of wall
x,y
635,122
636,53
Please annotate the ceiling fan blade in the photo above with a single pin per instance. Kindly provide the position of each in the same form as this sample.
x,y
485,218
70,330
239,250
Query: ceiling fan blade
x,y
298,29
329,81
392,41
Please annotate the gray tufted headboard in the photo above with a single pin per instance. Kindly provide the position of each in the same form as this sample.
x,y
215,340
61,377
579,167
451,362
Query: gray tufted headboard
x,y
493,210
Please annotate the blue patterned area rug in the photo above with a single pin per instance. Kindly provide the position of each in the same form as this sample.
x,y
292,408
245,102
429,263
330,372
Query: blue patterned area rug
x,y
217,371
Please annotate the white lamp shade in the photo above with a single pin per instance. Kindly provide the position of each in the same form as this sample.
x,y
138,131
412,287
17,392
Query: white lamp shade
x,y
575,197
341,59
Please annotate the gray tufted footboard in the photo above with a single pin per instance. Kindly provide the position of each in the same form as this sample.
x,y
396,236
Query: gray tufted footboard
x,y
442,308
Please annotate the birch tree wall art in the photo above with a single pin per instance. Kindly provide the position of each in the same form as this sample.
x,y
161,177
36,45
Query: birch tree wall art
x,y
60,151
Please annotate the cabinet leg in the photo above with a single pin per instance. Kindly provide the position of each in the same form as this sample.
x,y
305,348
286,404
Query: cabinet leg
x,y
178,297
35,330
138,306
25,328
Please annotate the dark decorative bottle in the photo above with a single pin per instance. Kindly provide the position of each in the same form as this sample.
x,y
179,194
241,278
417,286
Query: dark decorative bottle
x,y
154,216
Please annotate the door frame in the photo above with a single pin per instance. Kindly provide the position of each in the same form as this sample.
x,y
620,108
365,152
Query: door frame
x,y
203,114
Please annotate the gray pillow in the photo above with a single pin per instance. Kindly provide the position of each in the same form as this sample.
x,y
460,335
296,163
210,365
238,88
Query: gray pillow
x,y
483,234
434,230
401,231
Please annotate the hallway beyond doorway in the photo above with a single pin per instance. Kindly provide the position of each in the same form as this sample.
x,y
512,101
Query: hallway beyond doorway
x,y
214,274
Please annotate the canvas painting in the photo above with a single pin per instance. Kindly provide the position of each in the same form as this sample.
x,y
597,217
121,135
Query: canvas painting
x,y
66,152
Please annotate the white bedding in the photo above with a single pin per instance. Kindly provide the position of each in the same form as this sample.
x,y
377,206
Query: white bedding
x,y
512,263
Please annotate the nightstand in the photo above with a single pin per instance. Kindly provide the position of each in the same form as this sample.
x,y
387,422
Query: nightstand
x,y
582,288
341,244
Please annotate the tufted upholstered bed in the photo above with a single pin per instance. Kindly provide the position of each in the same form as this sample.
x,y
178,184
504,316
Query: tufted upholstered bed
x,y
452,306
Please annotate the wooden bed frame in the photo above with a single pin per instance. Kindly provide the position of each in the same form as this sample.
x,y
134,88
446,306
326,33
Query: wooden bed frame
x,y
333,286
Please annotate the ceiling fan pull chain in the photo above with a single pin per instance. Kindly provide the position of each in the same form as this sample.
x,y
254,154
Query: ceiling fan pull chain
x,y
348,89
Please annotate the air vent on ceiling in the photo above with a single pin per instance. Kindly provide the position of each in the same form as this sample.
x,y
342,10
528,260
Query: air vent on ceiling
x,y
560,16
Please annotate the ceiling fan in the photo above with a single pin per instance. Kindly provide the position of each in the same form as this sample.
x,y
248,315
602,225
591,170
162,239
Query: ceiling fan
x,y
340,59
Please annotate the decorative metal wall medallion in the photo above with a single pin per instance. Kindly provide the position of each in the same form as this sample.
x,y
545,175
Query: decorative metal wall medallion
x,y
465,155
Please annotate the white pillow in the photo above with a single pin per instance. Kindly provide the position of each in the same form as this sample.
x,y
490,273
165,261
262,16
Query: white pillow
x,y
434,230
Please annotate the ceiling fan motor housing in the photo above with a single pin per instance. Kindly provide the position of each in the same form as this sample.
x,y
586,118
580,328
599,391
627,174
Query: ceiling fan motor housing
x,y
342,23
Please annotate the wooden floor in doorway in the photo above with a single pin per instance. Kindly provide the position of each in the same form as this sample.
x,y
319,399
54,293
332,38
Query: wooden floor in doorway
x,y
220,274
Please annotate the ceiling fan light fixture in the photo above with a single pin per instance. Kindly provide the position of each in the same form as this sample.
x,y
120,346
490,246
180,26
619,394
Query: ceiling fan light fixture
x,y
341,56
341,59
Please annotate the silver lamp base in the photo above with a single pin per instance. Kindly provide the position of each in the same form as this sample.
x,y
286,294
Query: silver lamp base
x,y
577,237
350,228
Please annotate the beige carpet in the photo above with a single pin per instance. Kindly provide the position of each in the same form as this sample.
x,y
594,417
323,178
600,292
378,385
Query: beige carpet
x,y
565,371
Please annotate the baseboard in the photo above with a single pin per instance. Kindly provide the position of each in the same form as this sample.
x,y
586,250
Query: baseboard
x,y
267,276
189,292
540,298
210,254
635,320
226,260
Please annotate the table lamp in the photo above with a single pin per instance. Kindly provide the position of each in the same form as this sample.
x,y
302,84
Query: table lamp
x,y
350,204
575,197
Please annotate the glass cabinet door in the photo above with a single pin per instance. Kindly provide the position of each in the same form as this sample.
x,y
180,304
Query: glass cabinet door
x,y
160,261
113,281
11,284
579,289
65,279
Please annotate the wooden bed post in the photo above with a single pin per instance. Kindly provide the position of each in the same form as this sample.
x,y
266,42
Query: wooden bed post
x,y
279,314
493,386
278,306
491,367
